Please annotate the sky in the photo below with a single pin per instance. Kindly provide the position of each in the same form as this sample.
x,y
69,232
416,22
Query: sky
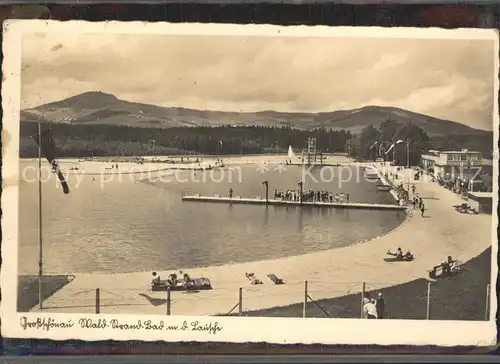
x,y
449,79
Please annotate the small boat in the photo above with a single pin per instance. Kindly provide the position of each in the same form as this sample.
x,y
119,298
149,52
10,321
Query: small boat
x,y
394,259
382,187
408,257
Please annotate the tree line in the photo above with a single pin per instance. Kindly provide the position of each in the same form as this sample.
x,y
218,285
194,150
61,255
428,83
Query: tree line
x,y
381,142
113,140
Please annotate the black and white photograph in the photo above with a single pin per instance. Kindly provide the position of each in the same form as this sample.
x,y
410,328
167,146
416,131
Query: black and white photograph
x,y
208,182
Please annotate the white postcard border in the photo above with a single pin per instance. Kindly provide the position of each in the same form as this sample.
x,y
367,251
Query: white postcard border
x,y
232,329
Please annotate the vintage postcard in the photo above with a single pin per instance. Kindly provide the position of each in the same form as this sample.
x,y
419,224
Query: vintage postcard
x,y
242,183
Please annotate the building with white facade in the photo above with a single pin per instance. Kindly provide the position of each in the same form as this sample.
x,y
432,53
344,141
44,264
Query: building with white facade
x,y
464,164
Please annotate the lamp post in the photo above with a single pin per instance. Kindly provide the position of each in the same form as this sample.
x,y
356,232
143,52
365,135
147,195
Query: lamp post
x,y
301,184
266,184
394,153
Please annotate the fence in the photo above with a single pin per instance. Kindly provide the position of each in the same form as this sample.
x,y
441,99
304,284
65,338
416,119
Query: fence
x,y
419,299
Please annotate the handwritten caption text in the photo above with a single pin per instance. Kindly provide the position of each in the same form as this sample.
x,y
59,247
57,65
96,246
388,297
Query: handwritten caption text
x,y
46,324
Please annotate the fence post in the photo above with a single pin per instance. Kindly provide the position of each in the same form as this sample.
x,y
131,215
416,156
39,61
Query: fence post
x,y
97,300
305,300
169,301
363,291
487,310
240,302
428,300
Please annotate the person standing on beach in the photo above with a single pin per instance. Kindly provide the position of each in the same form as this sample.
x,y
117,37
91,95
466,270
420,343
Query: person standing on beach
x,y
369,309
422,208
380,305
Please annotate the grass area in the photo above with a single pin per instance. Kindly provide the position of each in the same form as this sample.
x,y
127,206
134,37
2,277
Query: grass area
x,y
27,289
459,297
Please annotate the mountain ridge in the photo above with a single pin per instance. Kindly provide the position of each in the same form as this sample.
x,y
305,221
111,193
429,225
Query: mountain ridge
x,y
96,107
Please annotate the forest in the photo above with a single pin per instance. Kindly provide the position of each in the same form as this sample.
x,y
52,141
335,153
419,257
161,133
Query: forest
x,y
112,140
108,140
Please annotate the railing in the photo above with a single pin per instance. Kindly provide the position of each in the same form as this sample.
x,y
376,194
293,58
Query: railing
x,y
420,299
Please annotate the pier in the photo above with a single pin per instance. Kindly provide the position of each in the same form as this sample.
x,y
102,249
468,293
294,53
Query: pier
x,y
276,202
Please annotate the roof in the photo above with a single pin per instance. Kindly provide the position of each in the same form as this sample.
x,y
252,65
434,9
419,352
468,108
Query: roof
x,y
429,156
482,194
459,151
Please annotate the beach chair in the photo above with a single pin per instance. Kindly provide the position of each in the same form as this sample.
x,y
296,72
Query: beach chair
x,y
253,278
275,279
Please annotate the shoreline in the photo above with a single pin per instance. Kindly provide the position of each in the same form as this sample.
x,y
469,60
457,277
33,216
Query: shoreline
x,y
331,273
223,265
79,168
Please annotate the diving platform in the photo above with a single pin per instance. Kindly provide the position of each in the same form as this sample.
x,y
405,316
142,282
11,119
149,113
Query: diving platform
x,y
279,202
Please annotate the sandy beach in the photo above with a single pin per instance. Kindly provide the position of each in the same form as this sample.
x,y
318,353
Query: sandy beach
x,y
333,273
101,165
105,166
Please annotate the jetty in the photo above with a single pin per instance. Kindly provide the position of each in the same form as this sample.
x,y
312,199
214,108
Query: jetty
x,y
279,202
380,170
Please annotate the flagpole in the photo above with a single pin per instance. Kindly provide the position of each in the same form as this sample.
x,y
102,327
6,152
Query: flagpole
x,y
408,162
394,153
408,153
40,241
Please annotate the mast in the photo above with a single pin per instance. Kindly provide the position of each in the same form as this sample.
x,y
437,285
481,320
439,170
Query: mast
x,y
40,224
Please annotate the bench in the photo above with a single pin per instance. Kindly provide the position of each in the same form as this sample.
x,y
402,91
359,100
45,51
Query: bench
x,y
275,279
438,271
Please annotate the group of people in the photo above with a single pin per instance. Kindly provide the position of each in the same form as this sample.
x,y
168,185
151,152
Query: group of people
x,y
408,256
418,203
402,193
173,279
312,196
374,308
459,185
